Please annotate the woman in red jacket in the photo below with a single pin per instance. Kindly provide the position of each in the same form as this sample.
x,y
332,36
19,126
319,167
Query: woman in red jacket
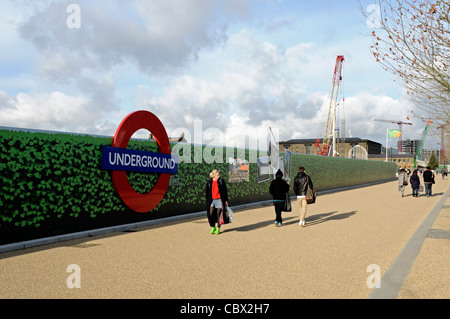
x,y
216,200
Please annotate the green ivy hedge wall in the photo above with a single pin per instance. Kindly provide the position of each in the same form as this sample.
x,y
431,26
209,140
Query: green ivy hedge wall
x,y
53,184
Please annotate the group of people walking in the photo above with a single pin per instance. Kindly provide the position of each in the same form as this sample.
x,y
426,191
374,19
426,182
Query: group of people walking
x,y
217,197
217,193
428,181
279,189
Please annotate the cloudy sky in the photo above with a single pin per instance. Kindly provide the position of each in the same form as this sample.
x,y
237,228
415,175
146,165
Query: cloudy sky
x,y
234,67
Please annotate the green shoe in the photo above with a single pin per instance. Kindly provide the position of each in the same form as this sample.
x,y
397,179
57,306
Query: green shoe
x,y
217,231
212,230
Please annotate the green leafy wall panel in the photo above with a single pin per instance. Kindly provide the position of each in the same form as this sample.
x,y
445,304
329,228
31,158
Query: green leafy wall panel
x,y
53,184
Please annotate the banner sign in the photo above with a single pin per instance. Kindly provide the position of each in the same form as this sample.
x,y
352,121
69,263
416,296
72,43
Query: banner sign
x,y
122,159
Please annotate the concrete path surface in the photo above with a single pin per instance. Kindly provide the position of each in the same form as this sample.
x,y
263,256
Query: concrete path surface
x,y
352,238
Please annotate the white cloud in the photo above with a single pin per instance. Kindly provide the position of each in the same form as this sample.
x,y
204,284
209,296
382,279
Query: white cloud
x,y
258,91
159,36
51,111
192,60
363,108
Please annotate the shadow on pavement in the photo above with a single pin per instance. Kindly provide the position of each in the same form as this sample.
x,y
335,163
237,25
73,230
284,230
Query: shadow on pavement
x,y
322,218
310,221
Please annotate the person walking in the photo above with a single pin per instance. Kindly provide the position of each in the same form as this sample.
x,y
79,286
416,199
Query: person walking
x,y
278,189
301,184
428,180
216,200
402,181
415,183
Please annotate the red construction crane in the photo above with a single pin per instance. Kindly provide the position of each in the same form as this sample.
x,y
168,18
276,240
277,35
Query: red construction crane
x,y
400,124
330,124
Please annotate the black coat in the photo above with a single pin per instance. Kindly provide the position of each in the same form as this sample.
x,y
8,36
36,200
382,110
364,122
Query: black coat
x,y
301,182
223,191
428,176
278,188
415,181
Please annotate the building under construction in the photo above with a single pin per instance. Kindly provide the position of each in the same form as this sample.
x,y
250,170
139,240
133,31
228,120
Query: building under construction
x,y
307,146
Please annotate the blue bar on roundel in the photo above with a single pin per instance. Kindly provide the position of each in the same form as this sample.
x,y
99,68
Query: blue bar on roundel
x,y
122,159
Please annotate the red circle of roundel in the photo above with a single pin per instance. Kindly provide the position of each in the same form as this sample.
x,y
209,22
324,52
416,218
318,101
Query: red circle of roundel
x,y
135,121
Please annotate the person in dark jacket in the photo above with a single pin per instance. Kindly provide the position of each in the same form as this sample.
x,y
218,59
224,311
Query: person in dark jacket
x,y
301,184
428,180
415,183
216,200
278,189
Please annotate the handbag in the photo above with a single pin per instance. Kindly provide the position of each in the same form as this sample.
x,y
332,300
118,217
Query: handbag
x,y
221,218
287,204
224,217
310,194
230,214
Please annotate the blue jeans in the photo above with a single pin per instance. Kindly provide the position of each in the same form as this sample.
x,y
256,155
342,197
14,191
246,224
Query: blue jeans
x,y
428,189
415,192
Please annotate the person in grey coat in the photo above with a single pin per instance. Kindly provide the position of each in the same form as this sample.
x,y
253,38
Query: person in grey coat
x,y
402,181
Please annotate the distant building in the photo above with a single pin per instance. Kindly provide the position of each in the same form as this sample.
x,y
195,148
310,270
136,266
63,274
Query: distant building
x,y
181,138
307,146
408,146
411,146
375,151
426,154
402,160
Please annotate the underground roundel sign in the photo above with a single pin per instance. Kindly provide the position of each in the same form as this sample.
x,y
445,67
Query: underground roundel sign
x,y
119,160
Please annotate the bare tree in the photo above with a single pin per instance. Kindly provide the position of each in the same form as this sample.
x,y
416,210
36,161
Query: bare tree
x,y
411,40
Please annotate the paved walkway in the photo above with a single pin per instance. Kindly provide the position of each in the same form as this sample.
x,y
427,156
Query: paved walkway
x,y
350,237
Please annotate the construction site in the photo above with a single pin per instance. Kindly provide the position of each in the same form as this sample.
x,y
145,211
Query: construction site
x,y
407,153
